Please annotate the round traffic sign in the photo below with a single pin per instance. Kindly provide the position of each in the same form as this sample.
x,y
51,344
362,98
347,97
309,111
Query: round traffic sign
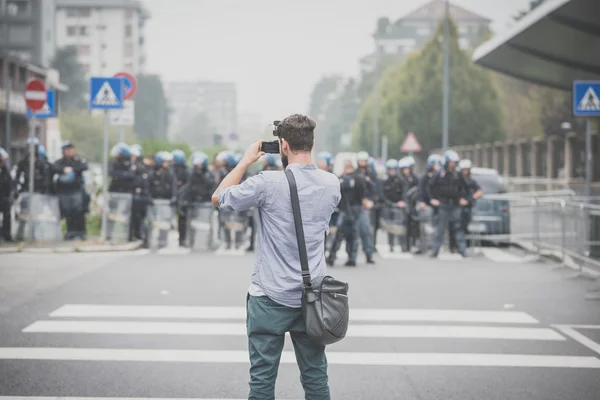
x,y
130,84
35,94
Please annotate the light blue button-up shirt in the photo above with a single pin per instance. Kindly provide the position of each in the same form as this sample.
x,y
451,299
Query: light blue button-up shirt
x,y
277,270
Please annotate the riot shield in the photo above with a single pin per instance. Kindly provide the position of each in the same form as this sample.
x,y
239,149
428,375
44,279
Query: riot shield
x,y
200,227
45,218
119,216
235,227
427,228
393,220
160,216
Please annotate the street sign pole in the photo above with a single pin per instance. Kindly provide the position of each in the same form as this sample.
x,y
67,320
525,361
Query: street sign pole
x,y
384,148
446,78
376,106
31,174
105,177
8,135
588,158
121,133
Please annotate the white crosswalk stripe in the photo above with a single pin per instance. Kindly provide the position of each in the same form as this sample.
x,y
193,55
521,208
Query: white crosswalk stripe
x,y
98,319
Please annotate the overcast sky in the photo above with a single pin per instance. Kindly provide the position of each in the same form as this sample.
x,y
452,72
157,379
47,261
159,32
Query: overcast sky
x,y
276,50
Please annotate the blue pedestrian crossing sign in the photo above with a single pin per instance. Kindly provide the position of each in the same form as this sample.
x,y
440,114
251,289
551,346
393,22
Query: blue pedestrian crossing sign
x,y
106,93
586,102
49,109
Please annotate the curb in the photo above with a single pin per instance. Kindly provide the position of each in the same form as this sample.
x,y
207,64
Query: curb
x,y
102,248
556,256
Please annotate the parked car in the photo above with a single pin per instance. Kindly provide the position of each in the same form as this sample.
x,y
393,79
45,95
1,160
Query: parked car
x,y
491,213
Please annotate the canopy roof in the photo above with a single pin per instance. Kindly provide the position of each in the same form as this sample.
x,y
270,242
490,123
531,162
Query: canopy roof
x,y
554,45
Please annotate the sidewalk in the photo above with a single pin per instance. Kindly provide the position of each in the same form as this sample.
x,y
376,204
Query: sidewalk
x,y
89,246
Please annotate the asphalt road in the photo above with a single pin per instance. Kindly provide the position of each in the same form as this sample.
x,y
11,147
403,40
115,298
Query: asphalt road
x,y
171,325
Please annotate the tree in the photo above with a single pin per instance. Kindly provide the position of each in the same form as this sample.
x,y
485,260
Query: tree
x,y
151,108
66,62
411,100
86,132
326,86
153,146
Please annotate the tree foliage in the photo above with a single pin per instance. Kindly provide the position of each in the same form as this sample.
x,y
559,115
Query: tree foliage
x,y
66,62
153,146
411,100
151,108
321,93
86,132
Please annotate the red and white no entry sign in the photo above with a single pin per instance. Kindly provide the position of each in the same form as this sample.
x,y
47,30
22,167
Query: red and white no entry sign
x,y
35,94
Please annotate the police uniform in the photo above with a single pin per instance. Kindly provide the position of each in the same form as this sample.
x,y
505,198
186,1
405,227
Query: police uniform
x,y
141,200
372,192
448,188
395,189
354,191
198,191
182,177
41,178
70,194
6,189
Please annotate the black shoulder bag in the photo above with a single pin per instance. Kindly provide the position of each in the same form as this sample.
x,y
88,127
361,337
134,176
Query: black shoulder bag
x,y
324,299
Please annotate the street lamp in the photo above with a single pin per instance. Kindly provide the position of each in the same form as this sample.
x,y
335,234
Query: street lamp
x,y
446,77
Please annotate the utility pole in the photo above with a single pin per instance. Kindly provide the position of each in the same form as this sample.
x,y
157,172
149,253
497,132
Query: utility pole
x,y
7,135
446,77
376,105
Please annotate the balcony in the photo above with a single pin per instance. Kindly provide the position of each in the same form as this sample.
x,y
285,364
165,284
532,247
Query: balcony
x,y
17,11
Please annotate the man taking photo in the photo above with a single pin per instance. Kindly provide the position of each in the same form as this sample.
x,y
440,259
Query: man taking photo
x,y
274,296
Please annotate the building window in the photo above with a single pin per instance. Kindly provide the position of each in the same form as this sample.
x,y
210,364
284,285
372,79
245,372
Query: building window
x,y
128,50
84,31
71,30
22,75
128,31
72,12
85,68
129,13
84,50
20,33
84,12
17,8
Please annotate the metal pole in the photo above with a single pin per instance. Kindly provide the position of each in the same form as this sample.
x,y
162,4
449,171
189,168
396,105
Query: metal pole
x,y
31,173
122,133
7,128
105,178
446,77
588,158
384,148
376,106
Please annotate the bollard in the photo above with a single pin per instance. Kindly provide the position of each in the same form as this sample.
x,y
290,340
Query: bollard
x,y
536,225
563,222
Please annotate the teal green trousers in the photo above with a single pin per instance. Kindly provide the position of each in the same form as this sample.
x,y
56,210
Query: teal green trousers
x,y
267,322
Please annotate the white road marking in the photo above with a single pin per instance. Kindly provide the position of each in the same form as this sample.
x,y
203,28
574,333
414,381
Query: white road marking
x,y
580,326
356,314
239,329
500,256
288,357
102,398
578,337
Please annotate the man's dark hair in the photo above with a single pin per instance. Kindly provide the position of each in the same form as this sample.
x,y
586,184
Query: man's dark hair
x,y
299,131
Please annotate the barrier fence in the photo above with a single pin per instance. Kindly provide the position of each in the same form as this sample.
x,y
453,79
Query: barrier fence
x,y
557,222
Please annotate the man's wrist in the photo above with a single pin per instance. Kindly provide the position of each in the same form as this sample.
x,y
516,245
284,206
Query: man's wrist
x,y
245,163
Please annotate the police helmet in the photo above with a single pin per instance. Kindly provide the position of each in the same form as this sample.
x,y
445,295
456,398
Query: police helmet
x,y
362,156
162,157
411,161
238,157
41,152
199,159
404,162
465,164
391,164
230,160
120,149
433,160
135,151
270,160
325,156
3,154
222,156
68,177
138,148
66,145
451,156
371,163
178,156
33,141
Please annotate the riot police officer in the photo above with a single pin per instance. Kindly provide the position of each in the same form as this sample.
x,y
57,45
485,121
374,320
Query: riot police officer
x,y
394,196
6,189
406,166
448,194
42,173
474,192
163,186
325,161
199,189
141,193
369,175
434,163
354,191
69,183
182,176
120,169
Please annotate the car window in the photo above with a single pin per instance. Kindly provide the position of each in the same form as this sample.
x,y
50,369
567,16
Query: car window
x,y
490,184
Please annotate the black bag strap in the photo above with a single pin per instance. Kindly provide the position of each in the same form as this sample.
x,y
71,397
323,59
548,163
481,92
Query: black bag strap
x,y
306,279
